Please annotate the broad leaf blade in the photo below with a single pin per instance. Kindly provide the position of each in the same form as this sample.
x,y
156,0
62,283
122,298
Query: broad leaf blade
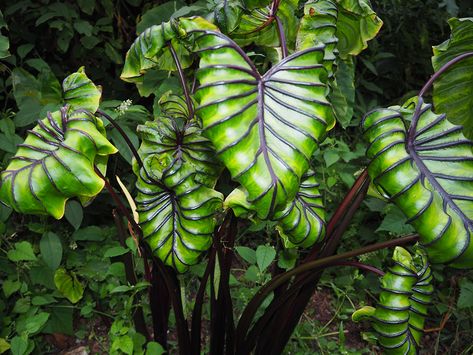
x,y
427,172
55,163
453,90
302,222
266,127
357,24
259,26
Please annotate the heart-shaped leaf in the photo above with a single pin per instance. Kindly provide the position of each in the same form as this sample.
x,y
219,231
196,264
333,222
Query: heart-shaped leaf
x,y
265,128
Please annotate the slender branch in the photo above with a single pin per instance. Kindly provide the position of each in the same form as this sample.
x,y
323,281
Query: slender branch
x,y
123,134
264,291
444,68
182,79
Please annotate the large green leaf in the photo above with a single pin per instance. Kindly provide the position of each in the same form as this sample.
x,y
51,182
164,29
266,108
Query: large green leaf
x,y
427,172
176,203
357,24
302,222
264,128
453,90
406,293
259,26
55,163
318,26
151,49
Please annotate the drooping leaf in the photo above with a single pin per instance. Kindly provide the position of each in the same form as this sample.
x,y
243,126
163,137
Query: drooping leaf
x,y
427,172
79,92
453,90
178,224
342,95
406,293
176,203
259,25
151,50
55,163
265,127
318,26
51,250
302,222
357,24
175,129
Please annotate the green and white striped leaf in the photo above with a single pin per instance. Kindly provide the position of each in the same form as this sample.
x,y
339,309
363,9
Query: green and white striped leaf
x,y
453,90
406,293
302,222
176,204
265,127
55,163
259,26
427,171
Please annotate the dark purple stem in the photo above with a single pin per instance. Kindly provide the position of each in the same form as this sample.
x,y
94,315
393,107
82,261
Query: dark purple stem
x,y
282,36
360,266
123,134
444,68
182,79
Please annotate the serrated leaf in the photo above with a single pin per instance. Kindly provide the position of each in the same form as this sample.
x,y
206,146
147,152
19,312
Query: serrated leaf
x,y
465,300
453,90
265,127
68,285
51,250
427,172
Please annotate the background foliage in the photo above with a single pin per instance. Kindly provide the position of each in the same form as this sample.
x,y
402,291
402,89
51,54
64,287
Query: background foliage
x,y
68,277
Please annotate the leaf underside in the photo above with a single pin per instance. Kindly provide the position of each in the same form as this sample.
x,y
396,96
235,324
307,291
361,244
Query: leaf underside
x,y
265,127
427,171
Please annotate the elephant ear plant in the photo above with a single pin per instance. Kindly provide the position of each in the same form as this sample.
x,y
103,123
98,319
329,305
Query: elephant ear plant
x,y
261,124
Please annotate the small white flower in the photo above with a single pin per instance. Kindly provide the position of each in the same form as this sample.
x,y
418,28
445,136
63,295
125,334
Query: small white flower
x,y
124,106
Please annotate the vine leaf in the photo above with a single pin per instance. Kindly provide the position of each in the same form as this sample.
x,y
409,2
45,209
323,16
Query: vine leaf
x,y
357,24
302,222
453,91
427,172
258,26
265,127
55,163
176,204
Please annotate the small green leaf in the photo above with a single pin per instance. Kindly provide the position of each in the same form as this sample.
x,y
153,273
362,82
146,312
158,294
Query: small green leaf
x,y
35,323
123,343
121,289
331,157
51,250
216,280
10,287
4,346
19,345
68,285
22,305
42,300
466,295
23,252
248,254
264,256
115,251
154,348
74,213
90,233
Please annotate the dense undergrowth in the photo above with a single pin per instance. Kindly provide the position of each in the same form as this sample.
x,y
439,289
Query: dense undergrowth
x,y
64,283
